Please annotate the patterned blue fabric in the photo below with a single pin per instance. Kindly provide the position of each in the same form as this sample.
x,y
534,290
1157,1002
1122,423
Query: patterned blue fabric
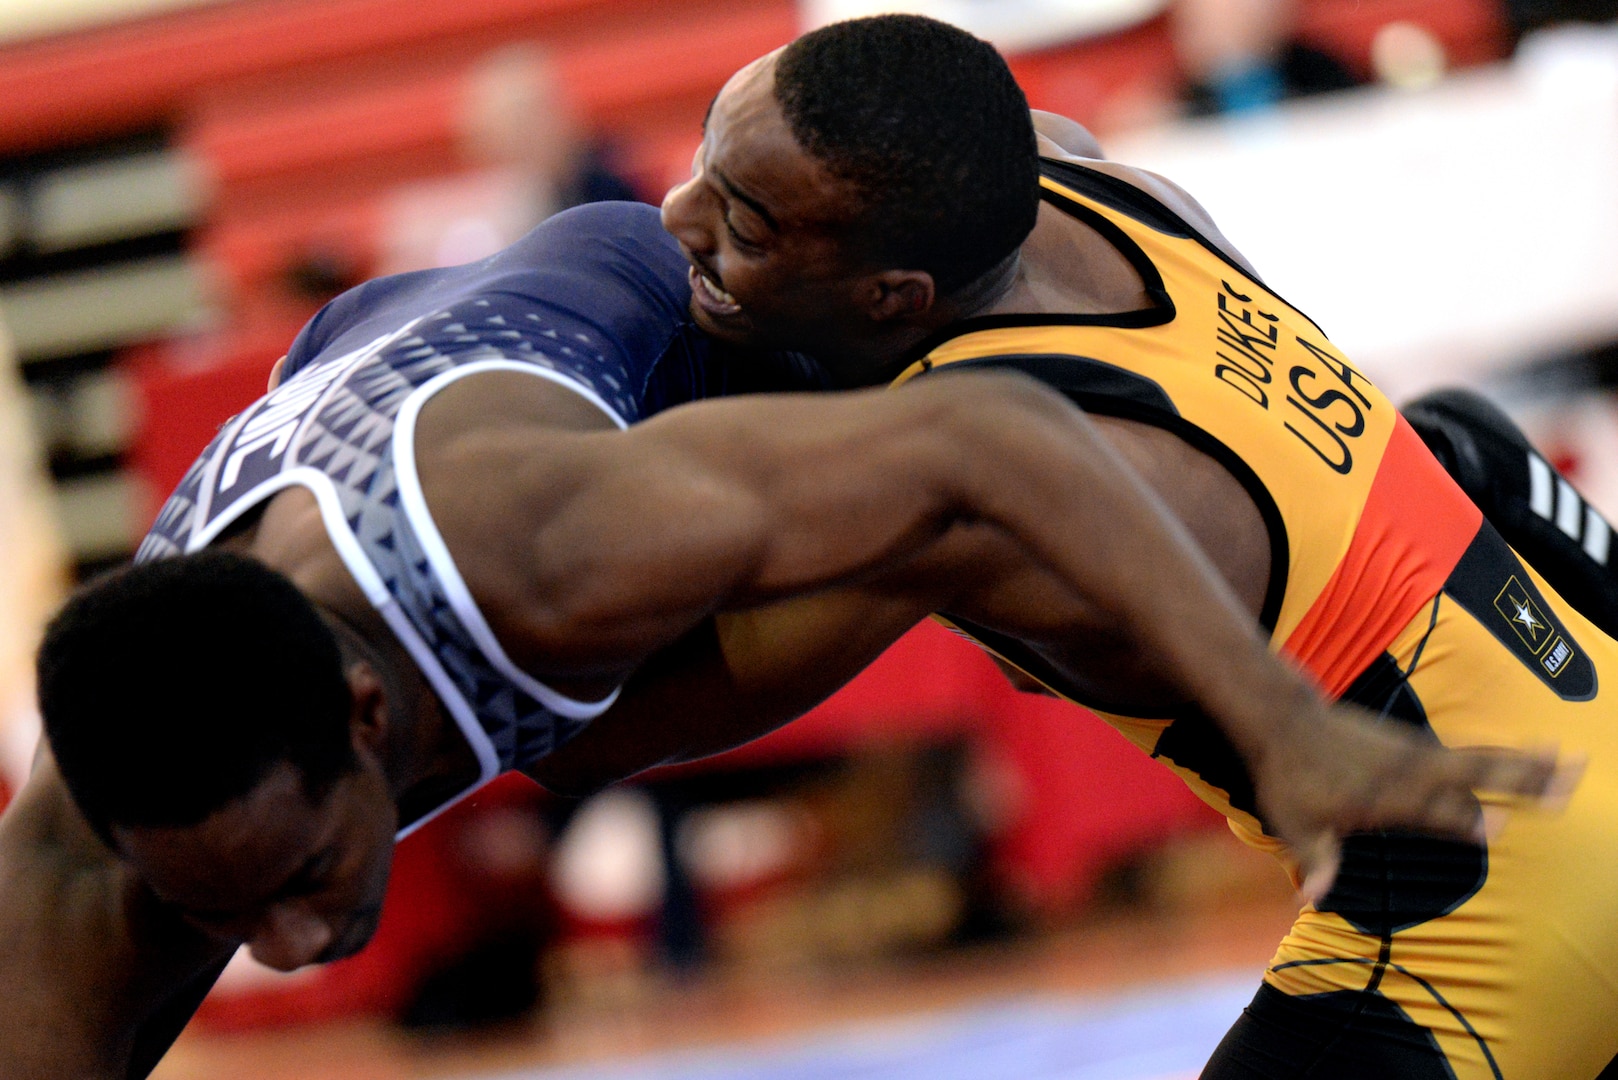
x,y
599,292
596,297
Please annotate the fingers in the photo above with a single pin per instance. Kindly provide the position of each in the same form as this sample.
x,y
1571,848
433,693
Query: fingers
x,y
1353,773
1559,792
1435,790
1320,868
1532,774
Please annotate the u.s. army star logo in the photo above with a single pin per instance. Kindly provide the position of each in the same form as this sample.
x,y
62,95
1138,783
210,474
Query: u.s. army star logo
x,y
1528,619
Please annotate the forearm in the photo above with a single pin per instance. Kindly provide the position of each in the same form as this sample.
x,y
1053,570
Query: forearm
x,y
733,679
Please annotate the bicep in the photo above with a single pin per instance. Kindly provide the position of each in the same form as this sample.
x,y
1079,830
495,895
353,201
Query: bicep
x,y
745,673
589,552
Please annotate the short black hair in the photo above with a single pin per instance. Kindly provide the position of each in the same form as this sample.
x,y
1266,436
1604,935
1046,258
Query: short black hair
x,y
928,124
172,688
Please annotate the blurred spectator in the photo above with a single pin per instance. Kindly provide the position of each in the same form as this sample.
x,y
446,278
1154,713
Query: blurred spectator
x,y
34,572
1242,55
532,161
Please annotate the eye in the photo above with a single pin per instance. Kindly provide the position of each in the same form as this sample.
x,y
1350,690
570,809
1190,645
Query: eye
x,y
312,877
740,240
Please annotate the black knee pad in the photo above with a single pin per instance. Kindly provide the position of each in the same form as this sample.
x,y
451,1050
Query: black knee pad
x,y
1533,507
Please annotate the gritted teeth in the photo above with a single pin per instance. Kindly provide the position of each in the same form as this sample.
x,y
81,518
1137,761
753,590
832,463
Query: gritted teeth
x,y
715,291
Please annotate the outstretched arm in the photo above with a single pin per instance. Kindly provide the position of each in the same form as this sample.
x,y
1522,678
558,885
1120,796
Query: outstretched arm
x,y
629,539
97,977
632,539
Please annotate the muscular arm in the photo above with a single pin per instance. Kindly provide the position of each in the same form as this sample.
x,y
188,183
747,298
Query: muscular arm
x,y
630,539
867,488
89,962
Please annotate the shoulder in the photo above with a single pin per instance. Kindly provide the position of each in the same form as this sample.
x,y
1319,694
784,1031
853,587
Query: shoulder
x,y
1061,139
1059,134
595,234
635,220
607,247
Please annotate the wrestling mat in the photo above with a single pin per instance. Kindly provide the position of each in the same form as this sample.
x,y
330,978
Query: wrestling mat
x,y
1164,1033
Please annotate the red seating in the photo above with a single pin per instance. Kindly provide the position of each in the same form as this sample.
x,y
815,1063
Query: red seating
x,y
613,84
1103,82
139,74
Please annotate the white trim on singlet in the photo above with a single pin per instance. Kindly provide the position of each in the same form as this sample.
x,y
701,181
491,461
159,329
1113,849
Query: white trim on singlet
x,y
370,582
210,473
413,502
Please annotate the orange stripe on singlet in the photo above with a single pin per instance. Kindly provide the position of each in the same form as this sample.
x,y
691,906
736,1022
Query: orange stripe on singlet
x,y
1414,529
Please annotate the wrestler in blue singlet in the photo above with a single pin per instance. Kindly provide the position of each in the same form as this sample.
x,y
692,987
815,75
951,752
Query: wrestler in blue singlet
x,y
595,299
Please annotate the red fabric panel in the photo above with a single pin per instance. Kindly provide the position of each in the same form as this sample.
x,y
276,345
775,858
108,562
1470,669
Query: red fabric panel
x,y
1415,526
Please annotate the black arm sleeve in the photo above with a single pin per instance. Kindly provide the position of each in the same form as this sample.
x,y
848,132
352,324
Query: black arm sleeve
x,y
1533,507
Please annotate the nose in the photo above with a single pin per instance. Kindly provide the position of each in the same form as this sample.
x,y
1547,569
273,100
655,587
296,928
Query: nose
x,y
290,936
680,217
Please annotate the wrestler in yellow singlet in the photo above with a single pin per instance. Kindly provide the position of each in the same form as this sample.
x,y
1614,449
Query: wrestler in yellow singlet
x,y
1428,958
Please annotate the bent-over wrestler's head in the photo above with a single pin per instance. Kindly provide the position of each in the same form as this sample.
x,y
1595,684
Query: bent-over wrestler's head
x,y
856,190
216,736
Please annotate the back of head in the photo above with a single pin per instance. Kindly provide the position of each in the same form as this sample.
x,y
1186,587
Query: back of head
x,y
928,124
173,688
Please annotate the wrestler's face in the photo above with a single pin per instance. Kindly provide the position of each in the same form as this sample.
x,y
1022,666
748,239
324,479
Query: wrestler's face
x,y
768,231
297,883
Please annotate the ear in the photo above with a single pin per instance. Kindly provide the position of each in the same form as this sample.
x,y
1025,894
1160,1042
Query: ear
x,y
368,713
899,294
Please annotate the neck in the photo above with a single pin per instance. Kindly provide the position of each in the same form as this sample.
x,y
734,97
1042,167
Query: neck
x,y
880,359
419,745
988,292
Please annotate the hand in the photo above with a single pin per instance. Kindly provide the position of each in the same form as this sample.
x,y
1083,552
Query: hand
x,y
1344,770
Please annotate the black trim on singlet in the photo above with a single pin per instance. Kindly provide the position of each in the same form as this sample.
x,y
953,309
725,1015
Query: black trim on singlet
x,y
1390,881
1122,196
1492,584
1134,202
1106,390
1338,1035
1078,377
1161,311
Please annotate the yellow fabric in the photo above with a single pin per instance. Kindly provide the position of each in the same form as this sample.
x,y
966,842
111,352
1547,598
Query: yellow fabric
x,y
1521,978
1227,360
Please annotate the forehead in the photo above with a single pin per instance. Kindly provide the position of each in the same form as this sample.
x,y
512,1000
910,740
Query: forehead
x,y
748,146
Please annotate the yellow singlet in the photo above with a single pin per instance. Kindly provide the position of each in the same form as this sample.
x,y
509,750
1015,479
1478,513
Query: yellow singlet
x,y
1429,958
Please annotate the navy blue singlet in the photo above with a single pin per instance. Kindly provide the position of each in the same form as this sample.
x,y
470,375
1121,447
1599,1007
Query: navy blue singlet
x,y
595,299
